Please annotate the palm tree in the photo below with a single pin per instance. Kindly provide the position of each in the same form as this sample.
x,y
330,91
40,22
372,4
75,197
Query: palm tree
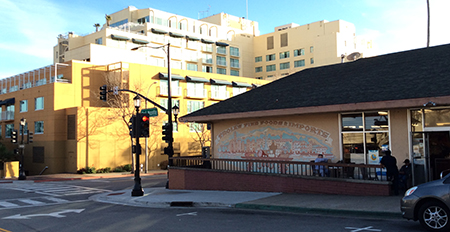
x,y
97,25
108,19
428,27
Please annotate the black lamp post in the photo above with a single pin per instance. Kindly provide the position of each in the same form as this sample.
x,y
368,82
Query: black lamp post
x,y
137,190
22,175
175,112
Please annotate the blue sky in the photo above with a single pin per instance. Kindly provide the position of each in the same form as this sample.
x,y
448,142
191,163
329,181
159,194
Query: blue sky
x,y
28,28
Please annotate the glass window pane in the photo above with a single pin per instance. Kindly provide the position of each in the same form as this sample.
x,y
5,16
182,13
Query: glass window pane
x,y
353,147
352,122
416,120
376,121
435,118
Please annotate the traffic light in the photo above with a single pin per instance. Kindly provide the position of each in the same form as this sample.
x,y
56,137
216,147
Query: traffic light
x,y
103,92
131,125
14,136
167,133
143,122
29,136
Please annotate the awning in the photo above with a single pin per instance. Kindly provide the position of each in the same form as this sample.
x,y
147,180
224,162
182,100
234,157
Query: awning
x,y
9,101
165,76
255,85
158,31
192,38
139,41
241,84
207,41
119,37
219,82
176,35
221,44
196,79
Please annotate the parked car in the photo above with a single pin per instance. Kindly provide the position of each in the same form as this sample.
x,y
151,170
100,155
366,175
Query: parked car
x,y
429,203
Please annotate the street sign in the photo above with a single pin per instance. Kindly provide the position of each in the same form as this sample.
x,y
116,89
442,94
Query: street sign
x,y
153,112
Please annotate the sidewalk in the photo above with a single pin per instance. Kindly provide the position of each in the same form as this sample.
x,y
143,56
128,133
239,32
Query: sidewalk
x,y
340,205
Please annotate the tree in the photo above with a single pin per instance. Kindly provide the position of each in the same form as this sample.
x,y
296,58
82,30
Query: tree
x,y
202,134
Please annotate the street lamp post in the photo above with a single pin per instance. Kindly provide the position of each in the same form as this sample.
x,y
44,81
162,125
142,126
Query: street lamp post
x,y
137,190
175,112
22,175
146,138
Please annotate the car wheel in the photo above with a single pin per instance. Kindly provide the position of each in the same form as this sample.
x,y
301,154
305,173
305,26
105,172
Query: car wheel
x,y
434,216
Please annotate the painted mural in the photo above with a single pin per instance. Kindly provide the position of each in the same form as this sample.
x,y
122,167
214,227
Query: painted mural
x,y
273,140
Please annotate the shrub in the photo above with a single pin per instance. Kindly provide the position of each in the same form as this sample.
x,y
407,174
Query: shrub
x,y
163,165
86,170
127,167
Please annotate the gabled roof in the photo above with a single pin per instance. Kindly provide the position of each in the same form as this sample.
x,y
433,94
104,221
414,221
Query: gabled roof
x,y
397,80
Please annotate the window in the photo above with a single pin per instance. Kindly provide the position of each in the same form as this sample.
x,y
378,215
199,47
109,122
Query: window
x,y
284,40
311,60
311,49
299,52
221,60
174,125
207,69
284,65
207,47
160,21
119,23
284,55
174,87
144,20
219,92
8,129
222,50
234,72
25,128
258,69
182,25
222,71
234,63
195,127
364,136
299,63
39,127
24,106
269,42
207,59
164,102
239,90
192,67
39,103
270,57
234,51
194,106
270,68
195,89
258,59
99,41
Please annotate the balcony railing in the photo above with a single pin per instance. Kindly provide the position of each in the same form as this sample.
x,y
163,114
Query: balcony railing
x,y
219,95
7,115
290,168
196,93
175,90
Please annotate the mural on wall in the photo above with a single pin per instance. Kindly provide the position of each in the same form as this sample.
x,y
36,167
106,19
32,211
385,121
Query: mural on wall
x,y
272,139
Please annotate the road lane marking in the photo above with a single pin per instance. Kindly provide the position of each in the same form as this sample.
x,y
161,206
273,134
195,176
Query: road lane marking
x,y
187,214
356,229
54,214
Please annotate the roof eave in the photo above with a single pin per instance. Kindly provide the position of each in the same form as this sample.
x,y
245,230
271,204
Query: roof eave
x,y
362,106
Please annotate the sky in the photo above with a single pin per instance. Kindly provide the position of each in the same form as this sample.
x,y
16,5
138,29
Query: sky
x,y
29,28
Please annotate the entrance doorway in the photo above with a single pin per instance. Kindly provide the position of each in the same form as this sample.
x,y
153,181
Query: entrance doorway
x,y
431,155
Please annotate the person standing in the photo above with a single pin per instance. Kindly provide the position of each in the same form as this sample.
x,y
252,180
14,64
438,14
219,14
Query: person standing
x,y
390,163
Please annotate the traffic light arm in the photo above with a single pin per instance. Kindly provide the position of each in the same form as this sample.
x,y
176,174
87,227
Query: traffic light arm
x,y
142,96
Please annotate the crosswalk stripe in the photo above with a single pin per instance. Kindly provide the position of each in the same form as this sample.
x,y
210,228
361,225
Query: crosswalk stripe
x,y
31,202
54,199
7,204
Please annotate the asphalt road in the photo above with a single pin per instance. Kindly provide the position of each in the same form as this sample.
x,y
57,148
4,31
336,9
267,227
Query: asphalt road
x,y
64,206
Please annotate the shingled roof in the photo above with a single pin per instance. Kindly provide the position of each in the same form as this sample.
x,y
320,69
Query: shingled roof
x,y
403,79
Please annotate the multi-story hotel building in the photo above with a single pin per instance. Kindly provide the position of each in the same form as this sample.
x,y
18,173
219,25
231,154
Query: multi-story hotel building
x,y
211,60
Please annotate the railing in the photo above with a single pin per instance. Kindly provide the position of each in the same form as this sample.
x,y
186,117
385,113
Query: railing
x,y
289,168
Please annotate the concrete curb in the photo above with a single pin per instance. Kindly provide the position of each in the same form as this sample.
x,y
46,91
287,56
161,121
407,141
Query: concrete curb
x,y
335,212
39,179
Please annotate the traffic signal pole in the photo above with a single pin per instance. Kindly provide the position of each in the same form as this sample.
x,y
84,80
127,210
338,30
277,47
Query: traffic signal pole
x,y
137,189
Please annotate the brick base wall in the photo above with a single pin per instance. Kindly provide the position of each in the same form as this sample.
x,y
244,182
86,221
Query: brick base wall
x,y
207,179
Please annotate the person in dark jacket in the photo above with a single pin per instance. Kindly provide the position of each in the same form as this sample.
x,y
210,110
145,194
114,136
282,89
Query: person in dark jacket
x,y
390,163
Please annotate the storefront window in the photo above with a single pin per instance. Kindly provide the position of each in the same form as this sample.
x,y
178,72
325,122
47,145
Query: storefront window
x,y
437,117
416,120
352,122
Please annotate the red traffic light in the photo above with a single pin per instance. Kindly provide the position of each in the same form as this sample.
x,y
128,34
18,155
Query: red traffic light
x,y
145,118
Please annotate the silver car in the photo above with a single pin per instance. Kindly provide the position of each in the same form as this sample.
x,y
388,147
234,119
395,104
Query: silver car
x,y
429,203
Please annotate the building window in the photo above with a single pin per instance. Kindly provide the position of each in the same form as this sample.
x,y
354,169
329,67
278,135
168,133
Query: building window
x,y
194,106
39,103
299,52
219,92
311,49
143,20
221,60
23,106
258,59
270,57
234,51
270,68
191,67
222,71
258,69
25,129
39,127
195,127
195,90
160,21
364,136
284,40
207,69
311,60
164,102
99,41
285,65
269,42
174,87
299,63
234,72
207,47
8,130
239,90
234,63
119,23
222,50
284,55
207,59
